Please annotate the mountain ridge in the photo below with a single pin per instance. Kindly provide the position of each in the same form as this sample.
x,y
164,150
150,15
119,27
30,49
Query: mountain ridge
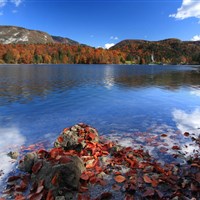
x,y
20,35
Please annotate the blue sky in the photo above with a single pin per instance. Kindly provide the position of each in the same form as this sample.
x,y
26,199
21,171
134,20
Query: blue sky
x,y
106,22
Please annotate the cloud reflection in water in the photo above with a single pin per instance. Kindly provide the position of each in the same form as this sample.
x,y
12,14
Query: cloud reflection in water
x,y
11,140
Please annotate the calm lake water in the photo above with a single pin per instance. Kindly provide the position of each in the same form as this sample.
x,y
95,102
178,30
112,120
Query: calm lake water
x,y
38,101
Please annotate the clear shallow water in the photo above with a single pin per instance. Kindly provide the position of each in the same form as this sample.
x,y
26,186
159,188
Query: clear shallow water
x,y
38,101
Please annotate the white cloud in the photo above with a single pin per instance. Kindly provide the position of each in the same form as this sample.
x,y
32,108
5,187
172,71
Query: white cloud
x,y
11,140
16,2
1,13
196,38
189,8
114,38
108,45
14,11
2,3
187,121
195,92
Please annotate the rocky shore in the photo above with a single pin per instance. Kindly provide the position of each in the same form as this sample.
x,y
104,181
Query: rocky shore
x,y
82,165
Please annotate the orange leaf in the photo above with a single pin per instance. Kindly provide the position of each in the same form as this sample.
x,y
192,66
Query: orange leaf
x,y
60,139
50,195
154,183
119,179
92,136
84,177
54,180
147,179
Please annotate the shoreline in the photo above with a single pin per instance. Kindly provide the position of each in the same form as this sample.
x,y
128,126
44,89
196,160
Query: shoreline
x,y
131,172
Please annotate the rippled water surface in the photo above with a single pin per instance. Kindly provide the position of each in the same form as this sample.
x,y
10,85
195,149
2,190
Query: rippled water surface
x,y
38,101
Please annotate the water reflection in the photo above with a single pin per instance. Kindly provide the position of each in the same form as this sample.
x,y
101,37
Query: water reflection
x,y
11,140
23,83
187,121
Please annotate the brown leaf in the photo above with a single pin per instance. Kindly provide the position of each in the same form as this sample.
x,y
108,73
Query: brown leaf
x,y
148,192
186,134
13,178
105,196
50,195
36,196
163,135
197,177
116,187
37,166
54,179
64,159
147,179
18,197
119,179
176,148
84,177
154,183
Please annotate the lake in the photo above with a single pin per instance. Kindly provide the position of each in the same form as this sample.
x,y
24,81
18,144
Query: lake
x,y
128,103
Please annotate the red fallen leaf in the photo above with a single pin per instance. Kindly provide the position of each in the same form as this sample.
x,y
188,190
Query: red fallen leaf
x,y
80,140
105,195
50,195
83,197
194,187
39,189
42,153
36,167
54,179
116,187
186,134
163,135
84,177
160,194
176,148
92,135
117,173
148,192
60,139
92,165
55,152
101,182
2,198
19,197
64,159
83,189
13,178
36,196
154,183
98,169
119,179
93,180
197,177
147,179
65,129
128,197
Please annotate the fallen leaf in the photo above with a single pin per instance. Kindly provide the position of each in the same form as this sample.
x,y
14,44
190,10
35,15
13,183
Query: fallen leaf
x,y
116,187
163,135
36,167
176,148
119,179
147,179
148,192
60,139
50,195
84,177
186,134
